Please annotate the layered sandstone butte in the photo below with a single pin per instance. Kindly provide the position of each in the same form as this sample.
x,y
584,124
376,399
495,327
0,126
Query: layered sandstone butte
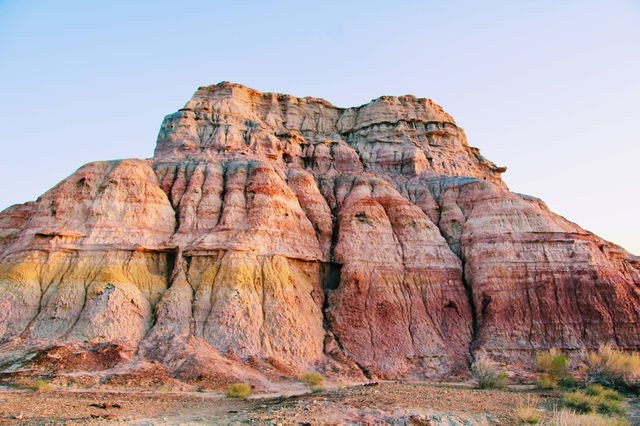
x,y
271,235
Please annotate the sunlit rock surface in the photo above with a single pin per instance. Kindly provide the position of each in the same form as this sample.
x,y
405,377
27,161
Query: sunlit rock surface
x,y
271,235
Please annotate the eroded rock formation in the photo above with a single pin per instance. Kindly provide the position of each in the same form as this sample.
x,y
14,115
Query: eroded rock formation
x,y
270,235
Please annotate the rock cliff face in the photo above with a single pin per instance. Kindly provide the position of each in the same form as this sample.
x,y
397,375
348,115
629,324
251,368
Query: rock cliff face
x,y
270,235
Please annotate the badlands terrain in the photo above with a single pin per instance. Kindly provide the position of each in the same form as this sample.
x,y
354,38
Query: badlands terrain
x,y
270,236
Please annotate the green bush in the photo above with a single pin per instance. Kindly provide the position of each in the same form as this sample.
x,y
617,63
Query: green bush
x,y
318,389
554,367
569,383
312,379
580,401
26,384
239,390
596,399
487,373
41,386
599,390
610,407
615,368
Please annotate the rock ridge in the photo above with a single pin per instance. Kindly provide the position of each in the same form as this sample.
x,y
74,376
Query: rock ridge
x,y
271,235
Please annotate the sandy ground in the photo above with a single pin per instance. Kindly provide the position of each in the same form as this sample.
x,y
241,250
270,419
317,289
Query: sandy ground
x,y
389,403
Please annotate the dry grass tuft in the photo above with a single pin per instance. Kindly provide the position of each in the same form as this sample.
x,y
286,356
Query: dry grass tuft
x,y
526,412
567,417
487,372
615,368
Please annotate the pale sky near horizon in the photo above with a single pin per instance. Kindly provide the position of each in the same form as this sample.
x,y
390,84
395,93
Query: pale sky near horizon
x,y
550,89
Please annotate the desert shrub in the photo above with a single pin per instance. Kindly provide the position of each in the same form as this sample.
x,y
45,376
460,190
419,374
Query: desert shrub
x,y
567,417
544,381
610,407
318,389
599,390
603,402
554,367
615,368
569,383
487,372
239,390
526,412
163,389
312,379
21,384
41,386
580,401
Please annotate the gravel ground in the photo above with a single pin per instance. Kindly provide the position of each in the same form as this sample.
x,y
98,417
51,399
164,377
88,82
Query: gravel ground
x,y
385,403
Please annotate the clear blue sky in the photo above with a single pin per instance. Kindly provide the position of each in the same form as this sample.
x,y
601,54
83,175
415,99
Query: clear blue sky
x,y
550,89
